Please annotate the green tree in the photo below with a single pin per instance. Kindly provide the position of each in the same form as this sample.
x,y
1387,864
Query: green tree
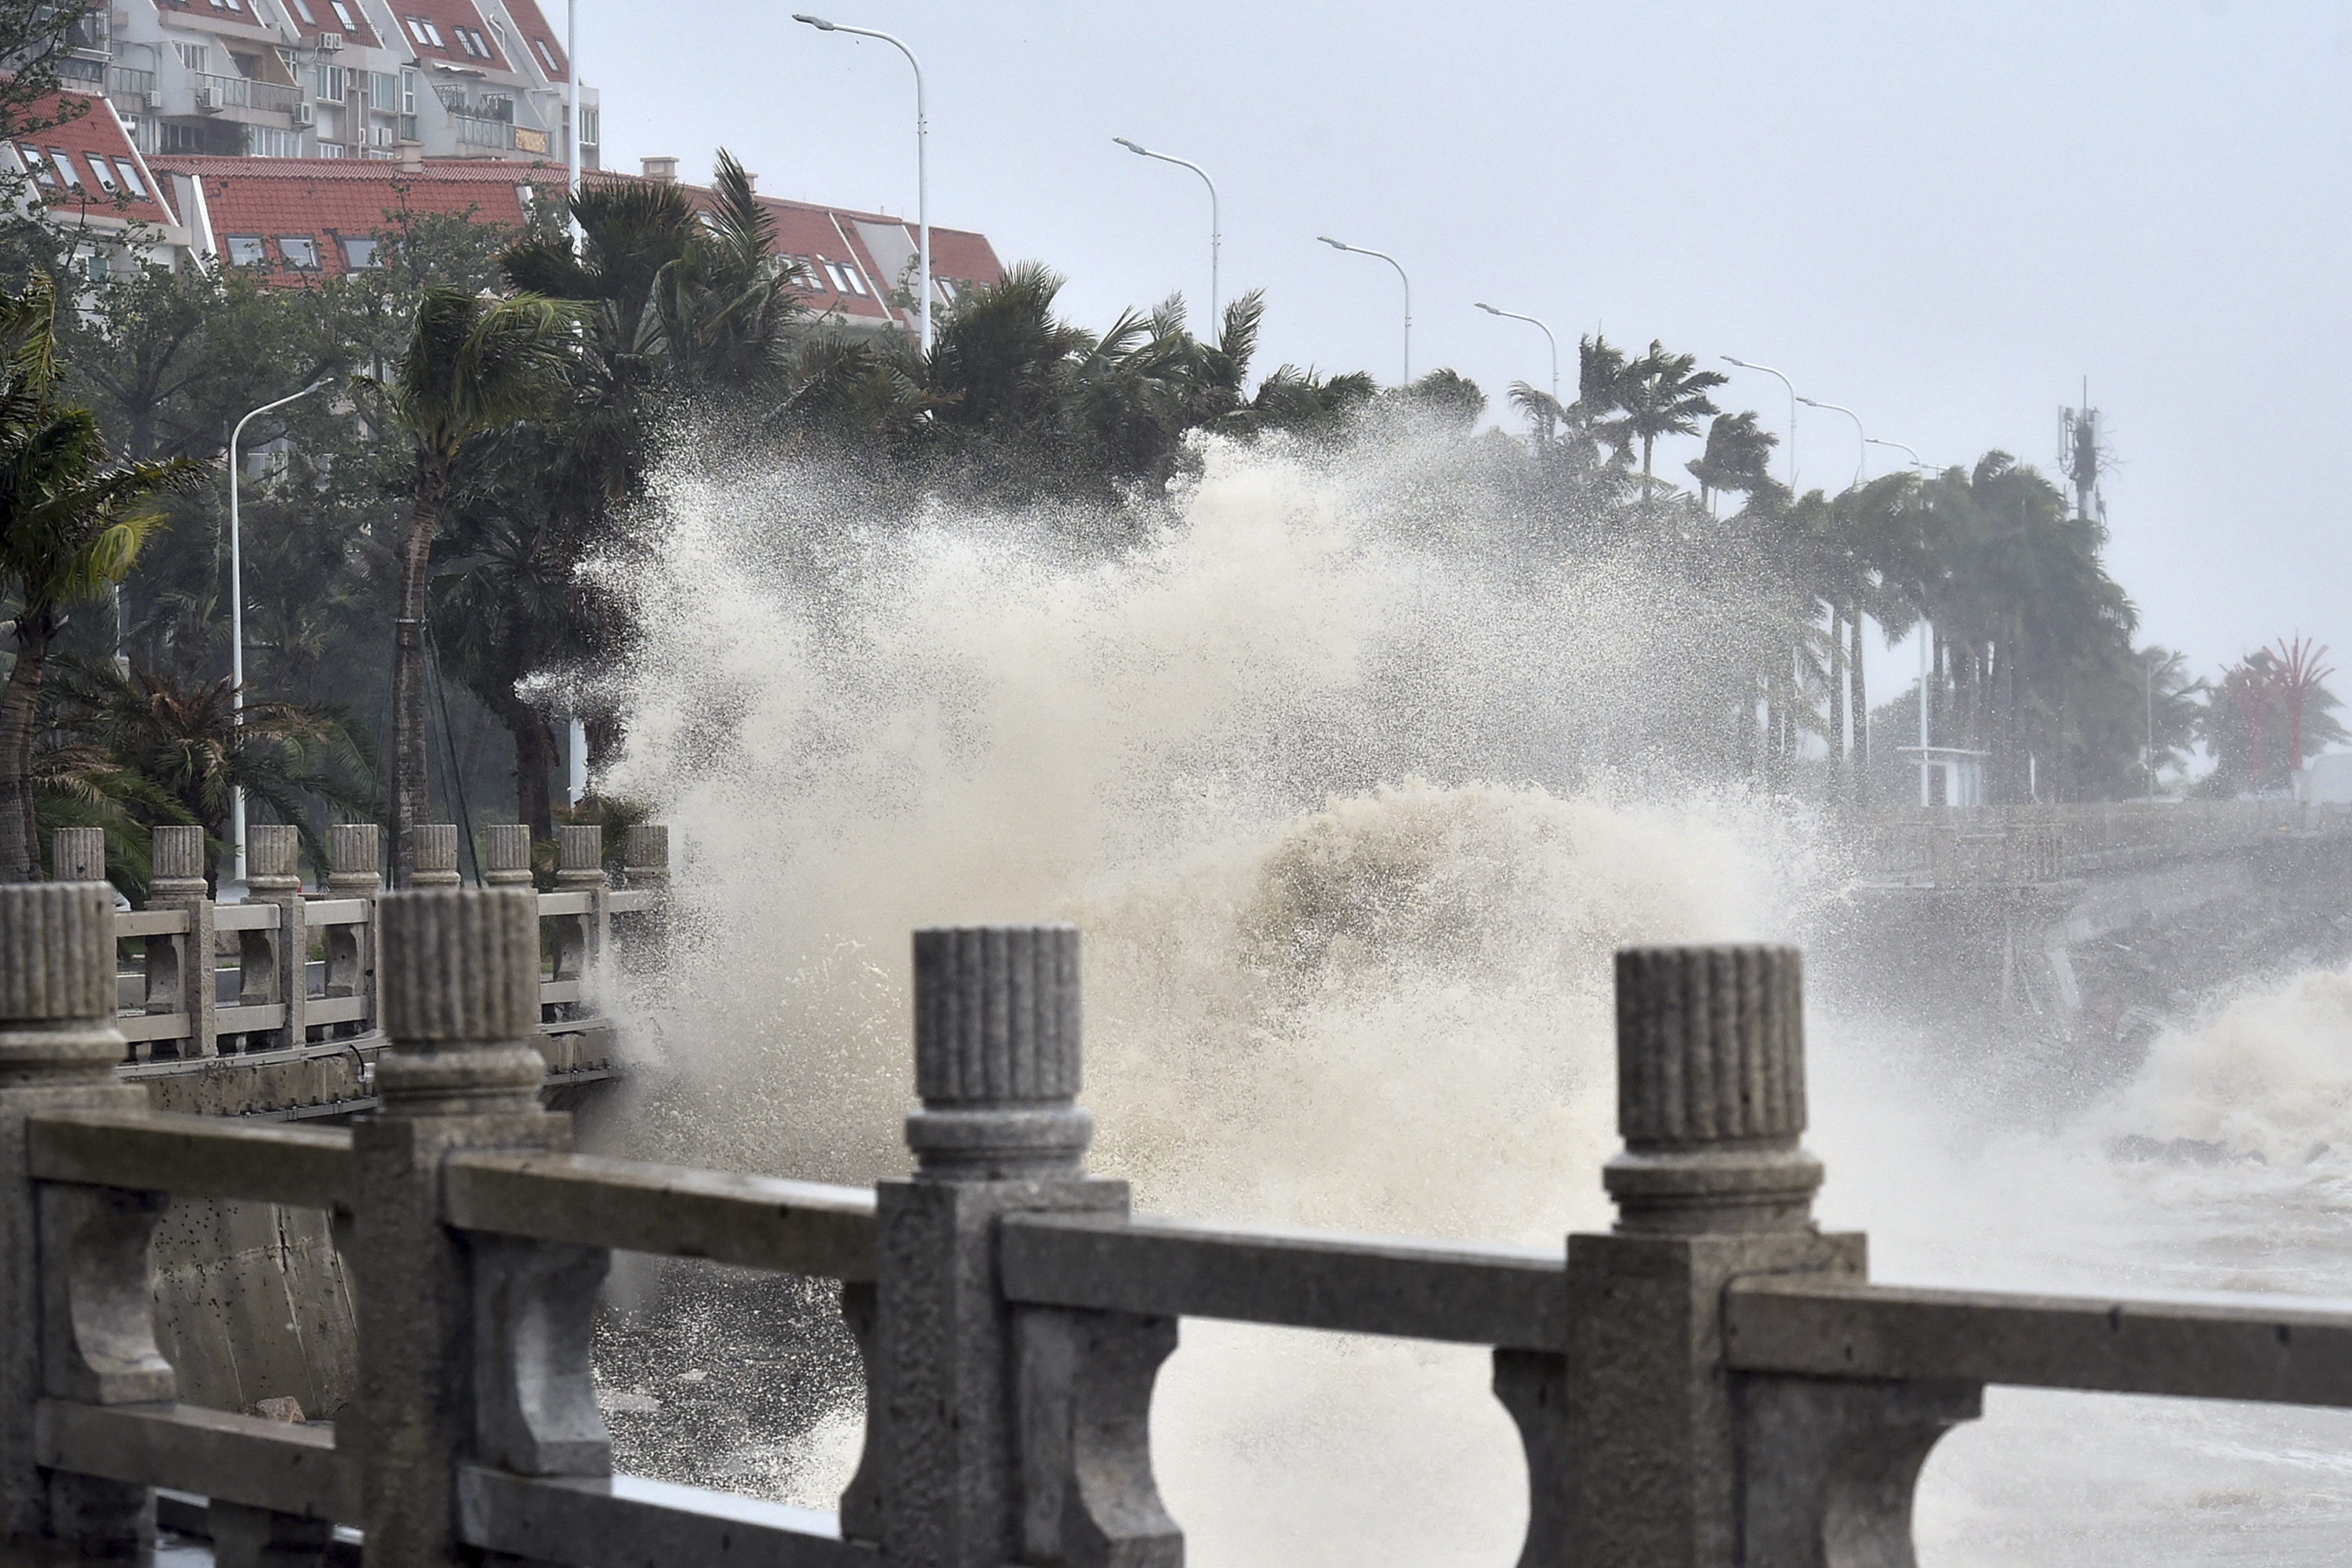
x,y
475,368
71,523
1661,394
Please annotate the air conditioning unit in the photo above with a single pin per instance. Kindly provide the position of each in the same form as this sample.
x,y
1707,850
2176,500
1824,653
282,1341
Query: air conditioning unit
x,y
204,99
306,114
330,43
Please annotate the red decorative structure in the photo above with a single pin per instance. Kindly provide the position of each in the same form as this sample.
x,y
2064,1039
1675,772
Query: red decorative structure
x,y
2295,673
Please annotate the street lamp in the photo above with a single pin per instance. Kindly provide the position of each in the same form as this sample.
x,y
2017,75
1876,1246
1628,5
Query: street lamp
x,y
1392,261
922,152
1515,316
1791,385
1917,461
1862,447
1216,236
236,603
571,107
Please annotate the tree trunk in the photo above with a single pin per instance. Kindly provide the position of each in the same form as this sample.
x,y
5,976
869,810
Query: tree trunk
x,y
1860,708
535,762
20,835
411,803
1837,708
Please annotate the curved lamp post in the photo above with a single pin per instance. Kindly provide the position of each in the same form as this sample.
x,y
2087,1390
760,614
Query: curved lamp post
x,y
236,603
1392,261
1216,236
1515,316
1791,385
1917,461
1862,439
922,152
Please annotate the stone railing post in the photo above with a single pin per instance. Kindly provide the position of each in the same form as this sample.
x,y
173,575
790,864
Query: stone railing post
x,y
510,856
76,1315
1671,1460
180,969
579,939
461,993
77,855
437,856
998,1436
645,866
276,965
355,856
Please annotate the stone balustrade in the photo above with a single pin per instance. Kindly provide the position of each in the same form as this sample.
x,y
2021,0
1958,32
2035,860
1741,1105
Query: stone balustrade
x,y
274,1006
2024,845
1713,1382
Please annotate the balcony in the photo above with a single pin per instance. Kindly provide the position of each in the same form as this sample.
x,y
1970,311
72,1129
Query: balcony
x,y
81,71
130,81
473,132
218,92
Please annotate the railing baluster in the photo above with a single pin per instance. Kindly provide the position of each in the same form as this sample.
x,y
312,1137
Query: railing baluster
x,y
460,989
187,960
75,1318
356,856
277,962
996,1434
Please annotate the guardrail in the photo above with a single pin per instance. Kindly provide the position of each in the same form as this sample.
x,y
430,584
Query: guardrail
x,y
2021,845
1714,1383
216,91
181,1005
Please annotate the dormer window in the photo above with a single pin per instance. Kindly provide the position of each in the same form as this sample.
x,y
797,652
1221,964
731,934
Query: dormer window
x,y
300,251
546,56
302,9
246,251
343,15
130,180
65,163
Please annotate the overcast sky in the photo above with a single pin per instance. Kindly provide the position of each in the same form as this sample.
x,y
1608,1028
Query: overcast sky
x,y
1943,217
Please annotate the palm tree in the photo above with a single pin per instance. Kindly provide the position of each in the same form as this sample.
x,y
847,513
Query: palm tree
x,y
187,744
475,367
71,523
1737,454
1662,395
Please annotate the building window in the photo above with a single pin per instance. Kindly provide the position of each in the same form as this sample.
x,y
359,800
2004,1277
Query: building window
x,y
547,56
65,163
359,254
246,251
591,116
104,171
191,55
37,166
408,94
334,150
273,142
300,251
343,15
383,92
97,267
130,180
333,82
302,9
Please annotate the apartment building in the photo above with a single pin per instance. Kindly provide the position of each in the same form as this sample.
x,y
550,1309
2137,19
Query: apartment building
x,y
335,79
111,207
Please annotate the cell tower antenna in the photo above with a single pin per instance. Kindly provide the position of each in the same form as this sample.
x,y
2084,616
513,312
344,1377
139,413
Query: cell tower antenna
x,y
2081,455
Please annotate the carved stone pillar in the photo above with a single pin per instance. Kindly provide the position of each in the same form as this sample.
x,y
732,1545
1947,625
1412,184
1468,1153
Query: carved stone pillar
x,y
579,939
181,968
356,857
460,990
437,856
1659,1464
644,937
997,1435
75,1315
510,856
77,855
276,965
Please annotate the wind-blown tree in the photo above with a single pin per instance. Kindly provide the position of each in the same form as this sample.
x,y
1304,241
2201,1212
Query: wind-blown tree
x,y
476,368
1662,393
2248,729
189,742
1737,457
71,524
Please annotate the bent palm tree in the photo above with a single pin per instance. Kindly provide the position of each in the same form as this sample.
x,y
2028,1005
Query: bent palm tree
x,y
475,367
1663,395
71,524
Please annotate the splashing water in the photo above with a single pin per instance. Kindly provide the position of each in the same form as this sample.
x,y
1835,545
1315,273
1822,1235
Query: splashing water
x,y
1351,819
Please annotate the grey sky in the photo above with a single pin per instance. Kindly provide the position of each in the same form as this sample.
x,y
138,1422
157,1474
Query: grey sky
x,y
1943,217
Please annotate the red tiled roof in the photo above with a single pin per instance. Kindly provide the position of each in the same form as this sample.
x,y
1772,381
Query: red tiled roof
x,y
313,17
232,13
94,134
823,234
332,199
537,35
454,23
